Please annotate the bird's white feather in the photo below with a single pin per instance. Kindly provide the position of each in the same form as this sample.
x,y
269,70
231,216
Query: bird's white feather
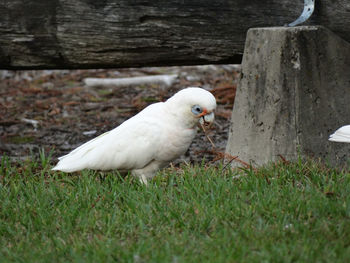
x,y
341,135
126,147
146,142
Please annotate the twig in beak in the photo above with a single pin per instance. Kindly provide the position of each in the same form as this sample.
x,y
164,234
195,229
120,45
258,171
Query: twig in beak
x,y
206,135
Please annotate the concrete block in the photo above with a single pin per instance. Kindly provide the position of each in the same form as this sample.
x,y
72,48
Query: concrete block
x,y
293,93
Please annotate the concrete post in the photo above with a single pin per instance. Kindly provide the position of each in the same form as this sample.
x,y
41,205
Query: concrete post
x,y
294,91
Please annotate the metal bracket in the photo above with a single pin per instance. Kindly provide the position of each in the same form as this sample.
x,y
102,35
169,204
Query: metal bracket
x,y
309,6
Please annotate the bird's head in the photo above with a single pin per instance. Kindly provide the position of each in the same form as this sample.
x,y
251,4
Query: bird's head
x,y
193,105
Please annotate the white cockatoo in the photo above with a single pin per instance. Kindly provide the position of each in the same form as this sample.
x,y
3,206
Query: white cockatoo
x,y
148,141
341,135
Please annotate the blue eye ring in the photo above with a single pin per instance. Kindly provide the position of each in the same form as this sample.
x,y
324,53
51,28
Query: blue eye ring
x,y
196,109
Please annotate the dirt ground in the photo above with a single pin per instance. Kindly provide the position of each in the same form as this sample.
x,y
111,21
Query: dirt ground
x,y
53,109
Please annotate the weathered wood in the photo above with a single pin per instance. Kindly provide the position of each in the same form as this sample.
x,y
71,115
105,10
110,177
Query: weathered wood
x,y
125,33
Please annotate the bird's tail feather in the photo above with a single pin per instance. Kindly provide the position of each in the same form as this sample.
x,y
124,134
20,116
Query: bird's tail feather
x,y
75,161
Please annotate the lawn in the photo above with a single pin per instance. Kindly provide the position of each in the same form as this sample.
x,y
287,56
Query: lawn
x,y
284,212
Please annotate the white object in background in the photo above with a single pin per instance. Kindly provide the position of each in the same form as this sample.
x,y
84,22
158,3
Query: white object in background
x,y
341,135
35,123
167,80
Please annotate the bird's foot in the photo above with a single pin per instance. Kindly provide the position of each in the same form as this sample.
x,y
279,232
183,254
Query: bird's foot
x,y
143,179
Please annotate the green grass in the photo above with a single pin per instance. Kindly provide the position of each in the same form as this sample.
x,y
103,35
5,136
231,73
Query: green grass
x,y
285,212
21,139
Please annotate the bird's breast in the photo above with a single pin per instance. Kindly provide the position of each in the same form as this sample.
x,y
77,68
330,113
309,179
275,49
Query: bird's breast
x,y
176,141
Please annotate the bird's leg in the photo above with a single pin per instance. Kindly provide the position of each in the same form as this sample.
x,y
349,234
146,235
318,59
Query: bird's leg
x,y
147,172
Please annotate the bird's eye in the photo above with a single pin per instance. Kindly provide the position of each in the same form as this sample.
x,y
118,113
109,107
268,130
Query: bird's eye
x,y
196,109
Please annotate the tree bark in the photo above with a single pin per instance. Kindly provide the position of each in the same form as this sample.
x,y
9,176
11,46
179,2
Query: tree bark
x,y
127,33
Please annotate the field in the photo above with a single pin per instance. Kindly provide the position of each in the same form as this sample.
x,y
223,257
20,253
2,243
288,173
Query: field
x,y
284,212
203,212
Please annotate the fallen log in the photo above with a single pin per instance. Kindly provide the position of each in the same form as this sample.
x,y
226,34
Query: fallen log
x,y
39,34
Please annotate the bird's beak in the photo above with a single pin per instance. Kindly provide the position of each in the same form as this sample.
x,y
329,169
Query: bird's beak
x,y
207,119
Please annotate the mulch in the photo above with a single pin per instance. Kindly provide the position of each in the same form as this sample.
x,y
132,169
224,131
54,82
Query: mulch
x,y
53,110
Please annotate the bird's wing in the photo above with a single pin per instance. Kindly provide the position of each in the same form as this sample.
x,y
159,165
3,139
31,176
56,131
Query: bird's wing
x,y
341,135
132,145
